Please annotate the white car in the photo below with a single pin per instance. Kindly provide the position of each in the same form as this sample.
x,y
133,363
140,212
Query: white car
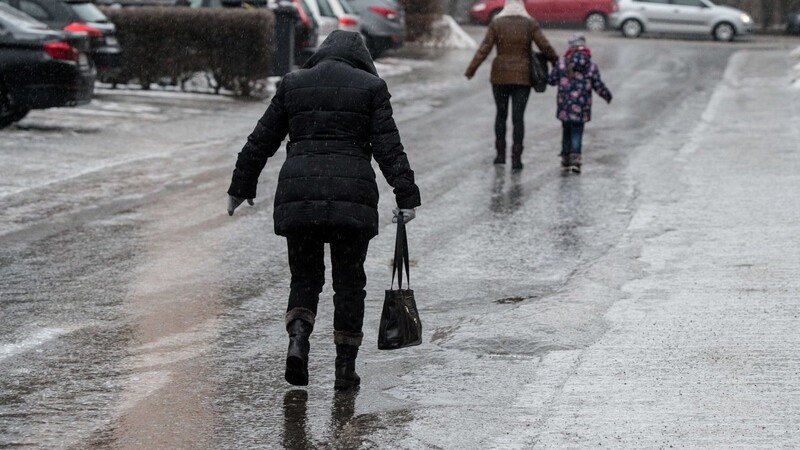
x,y
333,15
724,23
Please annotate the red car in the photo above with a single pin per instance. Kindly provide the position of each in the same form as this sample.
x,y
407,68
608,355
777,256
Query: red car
x,y
591,13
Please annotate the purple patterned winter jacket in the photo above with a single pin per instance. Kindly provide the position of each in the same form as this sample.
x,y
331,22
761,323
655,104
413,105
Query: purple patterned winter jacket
x,y
574,99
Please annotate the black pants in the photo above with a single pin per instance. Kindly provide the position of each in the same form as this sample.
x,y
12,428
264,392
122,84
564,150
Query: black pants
x,y
519,99
307,264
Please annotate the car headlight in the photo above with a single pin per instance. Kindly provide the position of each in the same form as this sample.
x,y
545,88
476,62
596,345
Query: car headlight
x,y
745,18
479,7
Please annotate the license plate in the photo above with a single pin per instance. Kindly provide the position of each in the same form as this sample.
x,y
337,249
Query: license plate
x,y
83,60
111,40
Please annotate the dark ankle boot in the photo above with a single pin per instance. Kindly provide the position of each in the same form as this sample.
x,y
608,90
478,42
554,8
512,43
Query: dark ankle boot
x,y
565,162
346,376
575,162
297,355
516,157
501,152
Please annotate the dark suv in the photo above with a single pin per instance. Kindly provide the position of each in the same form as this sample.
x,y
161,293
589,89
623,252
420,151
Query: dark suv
x,y
40,67
79,16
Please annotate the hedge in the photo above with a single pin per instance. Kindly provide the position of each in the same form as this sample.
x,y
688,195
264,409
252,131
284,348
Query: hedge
x,y
235,46
420,16
766,13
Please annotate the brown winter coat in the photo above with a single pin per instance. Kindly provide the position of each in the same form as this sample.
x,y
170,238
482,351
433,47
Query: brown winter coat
x,y
512,35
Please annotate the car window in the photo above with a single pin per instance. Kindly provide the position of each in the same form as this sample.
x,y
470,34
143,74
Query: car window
x,y
348,9
15,18
304,6
34,10
325,9
687,3
87,12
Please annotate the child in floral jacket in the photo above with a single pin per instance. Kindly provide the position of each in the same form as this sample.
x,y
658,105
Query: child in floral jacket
x,y
575,75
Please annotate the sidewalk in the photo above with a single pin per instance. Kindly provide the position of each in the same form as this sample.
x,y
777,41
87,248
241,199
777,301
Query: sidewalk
x,y
703,352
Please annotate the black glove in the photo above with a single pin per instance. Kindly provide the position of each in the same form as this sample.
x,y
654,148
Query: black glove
x,y
234,202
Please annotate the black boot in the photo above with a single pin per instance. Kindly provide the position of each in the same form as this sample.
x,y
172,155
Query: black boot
x,y
516,157
500,146
575,162
346,376
297,355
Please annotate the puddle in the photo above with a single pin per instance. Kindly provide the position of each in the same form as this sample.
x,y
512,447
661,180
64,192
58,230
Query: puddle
x,y
513,300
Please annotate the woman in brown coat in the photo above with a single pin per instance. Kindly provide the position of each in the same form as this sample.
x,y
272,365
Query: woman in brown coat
x,y
512,32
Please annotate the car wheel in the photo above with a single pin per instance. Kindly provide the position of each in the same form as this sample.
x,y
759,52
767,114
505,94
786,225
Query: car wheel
x,y
632,28
9,113
724,32
595,22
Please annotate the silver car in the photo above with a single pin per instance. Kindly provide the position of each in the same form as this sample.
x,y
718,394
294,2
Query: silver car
x,y
724,23
333,15
383,24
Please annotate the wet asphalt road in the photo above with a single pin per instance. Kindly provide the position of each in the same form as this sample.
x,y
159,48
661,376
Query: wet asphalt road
x,y
137,314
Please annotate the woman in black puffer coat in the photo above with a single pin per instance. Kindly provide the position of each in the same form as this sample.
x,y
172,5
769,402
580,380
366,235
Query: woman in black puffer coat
x,y
337,113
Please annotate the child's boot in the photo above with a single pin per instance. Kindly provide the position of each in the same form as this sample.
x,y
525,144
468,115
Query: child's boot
x,y
575,162
565,162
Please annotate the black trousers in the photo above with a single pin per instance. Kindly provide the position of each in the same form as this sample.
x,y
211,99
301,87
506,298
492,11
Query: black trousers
x,y
307,264
518,95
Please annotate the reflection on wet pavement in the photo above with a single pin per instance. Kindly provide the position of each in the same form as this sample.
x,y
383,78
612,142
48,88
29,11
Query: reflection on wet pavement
x,y
296,435
569,211
342,429
506,202
343,409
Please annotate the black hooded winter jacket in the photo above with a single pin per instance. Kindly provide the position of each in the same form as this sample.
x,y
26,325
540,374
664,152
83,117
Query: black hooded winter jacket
x,y
337,113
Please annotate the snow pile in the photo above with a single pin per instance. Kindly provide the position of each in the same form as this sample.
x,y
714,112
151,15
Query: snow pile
x,y
197,84
795,57
391,70
447,33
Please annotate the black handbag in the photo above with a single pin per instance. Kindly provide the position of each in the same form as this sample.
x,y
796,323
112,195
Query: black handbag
x,y
400,325
538,68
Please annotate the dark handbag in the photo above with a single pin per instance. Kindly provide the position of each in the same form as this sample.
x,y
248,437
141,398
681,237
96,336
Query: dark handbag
x,y
400,325
538,68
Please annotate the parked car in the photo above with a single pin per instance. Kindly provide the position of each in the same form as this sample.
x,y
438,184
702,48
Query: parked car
x,y
383,24
82,17
793,23
306,34
333,15
593,14
724,23
40,67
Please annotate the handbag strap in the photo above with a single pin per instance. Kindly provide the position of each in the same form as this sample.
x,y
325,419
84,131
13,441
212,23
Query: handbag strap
x,y
530,37
401,254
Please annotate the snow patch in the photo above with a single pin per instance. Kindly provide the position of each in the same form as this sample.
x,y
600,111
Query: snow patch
x,y
392,70
136,91
392,67
36,339
447,33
